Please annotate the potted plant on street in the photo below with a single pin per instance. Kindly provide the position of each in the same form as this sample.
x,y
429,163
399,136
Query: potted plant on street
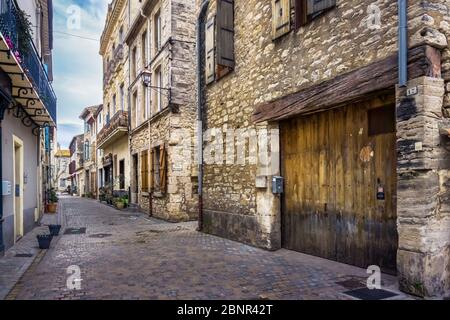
x,y
44,241
102,194
52,201
125,200
120,204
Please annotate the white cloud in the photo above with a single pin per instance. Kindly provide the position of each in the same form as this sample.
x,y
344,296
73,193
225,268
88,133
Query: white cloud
x,y
78,75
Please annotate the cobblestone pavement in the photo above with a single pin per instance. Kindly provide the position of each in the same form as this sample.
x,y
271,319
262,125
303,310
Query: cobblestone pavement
x,y
20,257
129,256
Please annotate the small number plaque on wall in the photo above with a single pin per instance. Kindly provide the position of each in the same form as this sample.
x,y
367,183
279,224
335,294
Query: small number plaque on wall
x,y
412,91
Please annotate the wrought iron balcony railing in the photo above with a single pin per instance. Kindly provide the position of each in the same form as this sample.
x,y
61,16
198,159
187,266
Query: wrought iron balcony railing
x,y
12,29
107,160
118,121
111,68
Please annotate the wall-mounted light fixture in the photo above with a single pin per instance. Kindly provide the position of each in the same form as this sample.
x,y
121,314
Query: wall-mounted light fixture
x,y
146,77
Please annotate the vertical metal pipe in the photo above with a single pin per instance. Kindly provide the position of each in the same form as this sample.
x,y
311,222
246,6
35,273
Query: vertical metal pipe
x,y
403,42
2,246
200,28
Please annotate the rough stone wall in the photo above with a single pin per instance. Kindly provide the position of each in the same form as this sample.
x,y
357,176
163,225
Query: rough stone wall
x,y
424,162
435,19
335,43
423,190
341,40
176,121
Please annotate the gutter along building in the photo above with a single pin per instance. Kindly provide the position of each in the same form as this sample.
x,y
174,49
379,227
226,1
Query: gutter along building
x,y
27,105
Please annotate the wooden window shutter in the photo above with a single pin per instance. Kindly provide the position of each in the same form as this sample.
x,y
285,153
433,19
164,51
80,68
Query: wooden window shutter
x,y
210,63
316,6
152,169
225,33
144,171
301,15
281,17
163,168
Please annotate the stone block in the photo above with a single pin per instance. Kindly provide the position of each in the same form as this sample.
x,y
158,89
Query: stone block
x,y
424,275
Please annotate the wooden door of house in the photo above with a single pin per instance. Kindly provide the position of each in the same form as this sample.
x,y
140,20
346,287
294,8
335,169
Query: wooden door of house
x,y
340,184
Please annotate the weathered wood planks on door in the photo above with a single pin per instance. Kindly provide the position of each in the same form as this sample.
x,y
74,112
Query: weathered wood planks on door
x,y
333,169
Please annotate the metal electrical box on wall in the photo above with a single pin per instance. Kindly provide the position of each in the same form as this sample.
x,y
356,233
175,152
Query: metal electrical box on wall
x,y
7,188
277,185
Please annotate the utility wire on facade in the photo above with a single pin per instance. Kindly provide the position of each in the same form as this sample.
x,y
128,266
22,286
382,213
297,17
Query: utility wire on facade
x,y
76,36
71,35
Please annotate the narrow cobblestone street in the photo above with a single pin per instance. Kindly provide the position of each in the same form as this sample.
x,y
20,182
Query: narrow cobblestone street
x,y
129,256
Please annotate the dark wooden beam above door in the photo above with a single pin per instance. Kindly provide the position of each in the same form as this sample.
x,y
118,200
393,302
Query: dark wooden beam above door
x,y
353,86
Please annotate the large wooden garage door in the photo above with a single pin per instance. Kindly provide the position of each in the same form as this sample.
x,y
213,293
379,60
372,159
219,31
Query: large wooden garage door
x,y
340,189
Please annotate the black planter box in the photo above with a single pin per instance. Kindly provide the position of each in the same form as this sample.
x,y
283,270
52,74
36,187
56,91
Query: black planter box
x,y
44,241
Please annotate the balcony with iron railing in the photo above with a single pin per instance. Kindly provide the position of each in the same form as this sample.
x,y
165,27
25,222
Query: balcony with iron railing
x,y
107,160
19,58
113,130
112,66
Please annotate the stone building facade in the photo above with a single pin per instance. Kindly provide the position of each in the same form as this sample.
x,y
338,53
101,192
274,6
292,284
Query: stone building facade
x,y
76,166
112,138
161,42
61,172
89,117
292,64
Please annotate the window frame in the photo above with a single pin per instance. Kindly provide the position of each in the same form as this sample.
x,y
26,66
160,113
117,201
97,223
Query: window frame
x,y
135,102
157,26
134,63
122,97
144,48
145,187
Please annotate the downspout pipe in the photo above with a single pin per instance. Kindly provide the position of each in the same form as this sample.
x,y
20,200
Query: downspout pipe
x,y
2,245
403,43
200,96
147,112
4,102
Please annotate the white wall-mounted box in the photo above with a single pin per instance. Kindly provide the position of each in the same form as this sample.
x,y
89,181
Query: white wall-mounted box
x,y
7,188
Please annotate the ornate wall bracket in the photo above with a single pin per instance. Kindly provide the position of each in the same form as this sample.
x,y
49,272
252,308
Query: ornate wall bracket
x,y
18,111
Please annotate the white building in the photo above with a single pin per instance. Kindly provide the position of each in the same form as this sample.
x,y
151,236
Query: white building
x,y
27,115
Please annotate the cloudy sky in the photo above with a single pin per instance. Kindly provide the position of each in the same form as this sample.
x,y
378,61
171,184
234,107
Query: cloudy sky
x,y
77,65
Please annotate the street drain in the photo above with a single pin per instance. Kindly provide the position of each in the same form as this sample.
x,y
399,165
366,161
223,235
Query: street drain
x,y
72,231
100,235
351,284
367,294
24,255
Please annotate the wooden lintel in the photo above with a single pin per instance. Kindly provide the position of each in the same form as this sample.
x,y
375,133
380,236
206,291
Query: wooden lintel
x,y
356,85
